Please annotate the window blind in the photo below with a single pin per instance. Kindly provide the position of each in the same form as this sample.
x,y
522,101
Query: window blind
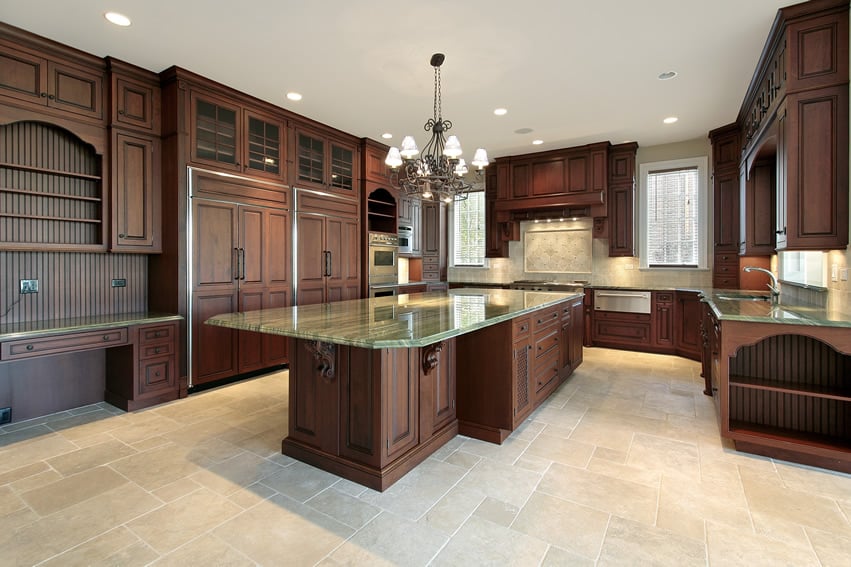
x,y
672,218
469,230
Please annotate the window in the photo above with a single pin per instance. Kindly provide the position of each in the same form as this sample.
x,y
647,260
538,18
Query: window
x,y
468,230
673,206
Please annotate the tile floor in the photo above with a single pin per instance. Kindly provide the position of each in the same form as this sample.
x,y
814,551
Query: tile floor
x,y
622,466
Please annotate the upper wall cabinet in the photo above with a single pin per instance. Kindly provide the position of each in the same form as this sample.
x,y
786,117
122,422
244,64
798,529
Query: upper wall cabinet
x,y
374,168
621,219
325,161
230,136
43,81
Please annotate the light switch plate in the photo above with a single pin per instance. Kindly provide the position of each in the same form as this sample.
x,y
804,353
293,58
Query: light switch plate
x,y
843,274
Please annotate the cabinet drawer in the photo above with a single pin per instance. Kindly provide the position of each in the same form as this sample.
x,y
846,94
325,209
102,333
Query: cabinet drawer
x,y
156,376
725,282
521,327
431,275
622,332
164,349
545,342
621,316
164,333
728,258
664,297
726,269
25,348
546,372
545,318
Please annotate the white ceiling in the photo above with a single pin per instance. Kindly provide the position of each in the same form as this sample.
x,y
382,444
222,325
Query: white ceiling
x,y
574,71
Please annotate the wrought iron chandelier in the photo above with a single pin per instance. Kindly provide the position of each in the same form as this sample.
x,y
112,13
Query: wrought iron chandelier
x,y
438,172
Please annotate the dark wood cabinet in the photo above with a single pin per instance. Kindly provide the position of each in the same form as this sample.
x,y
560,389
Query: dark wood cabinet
x,y
381,209
497,229
437,389
230,136
136,198
663,318
328,258
135,98
325,161
374,168
241,263
687,318
434,241
758,208
621,199
725,204
572,327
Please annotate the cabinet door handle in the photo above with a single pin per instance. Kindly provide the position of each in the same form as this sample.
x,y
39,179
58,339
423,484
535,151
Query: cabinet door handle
x,y
106,337
236,263
51,97
121,112
328,263
242,260
43,95
30,347
157,350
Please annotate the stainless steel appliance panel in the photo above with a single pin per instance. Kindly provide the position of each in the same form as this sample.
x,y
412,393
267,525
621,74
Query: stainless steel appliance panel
x,y
406,239
383,258
623,301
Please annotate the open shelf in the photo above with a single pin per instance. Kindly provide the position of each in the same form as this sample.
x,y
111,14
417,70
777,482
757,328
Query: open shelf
x,y
782,435
828,392
50,195
48,171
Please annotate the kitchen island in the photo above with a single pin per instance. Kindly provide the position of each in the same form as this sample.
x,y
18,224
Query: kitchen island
x,y
377,385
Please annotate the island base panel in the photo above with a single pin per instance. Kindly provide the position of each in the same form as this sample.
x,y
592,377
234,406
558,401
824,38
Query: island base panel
x,y
372,477
483,432
797,456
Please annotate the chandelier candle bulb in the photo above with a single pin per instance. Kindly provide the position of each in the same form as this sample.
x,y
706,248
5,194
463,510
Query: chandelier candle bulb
x,y
439,170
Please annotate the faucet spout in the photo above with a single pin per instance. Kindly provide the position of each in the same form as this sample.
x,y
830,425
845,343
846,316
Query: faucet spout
x,y
774,286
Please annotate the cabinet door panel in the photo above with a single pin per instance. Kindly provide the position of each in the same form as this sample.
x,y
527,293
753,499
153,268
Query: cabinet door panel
x,y
214,349
314,411
311,259
548,177
577,174
135,104
250,343
215,238
252,245
726,210
277,247
135,189
23,76
275,347
75,90
401,406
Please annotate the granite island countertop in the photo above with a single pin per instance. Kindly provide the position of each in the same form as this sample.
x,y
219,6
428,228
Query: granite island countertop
x,y
411,320
32,329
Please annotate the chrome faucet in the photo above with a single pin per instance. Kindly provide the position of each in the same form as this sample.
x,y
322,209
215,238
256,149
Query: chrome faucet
x,y
774,286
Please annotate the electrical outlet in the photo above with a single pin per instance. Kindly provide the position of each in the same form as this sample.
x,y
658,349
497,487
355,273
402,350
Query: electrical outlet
x,y
843,274
5,415
119,282
29,286
834,272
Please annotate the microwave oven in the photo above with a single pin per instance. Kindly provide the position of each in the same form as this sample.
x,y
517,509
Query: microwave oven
x,y
406,239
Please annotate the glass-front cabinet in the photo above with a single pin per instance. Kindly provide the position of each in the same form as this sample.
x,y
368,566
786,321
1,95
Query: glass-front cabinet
x,y
229,136
324,162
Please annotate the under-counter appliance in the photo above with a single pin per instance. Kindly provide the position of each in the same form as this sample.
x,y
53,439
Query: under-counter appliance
x,y
383,258
383,291
623,301
406,239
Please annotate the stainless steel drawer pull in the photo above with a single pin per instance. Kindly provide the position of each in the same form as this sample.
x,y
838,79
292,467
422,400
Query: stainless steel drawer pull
x,y
30,347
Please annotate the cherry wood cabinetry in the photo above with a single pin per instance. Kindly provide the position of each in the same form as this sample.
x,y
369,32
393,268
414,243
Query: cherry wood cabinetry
x,y
725,203
498,232
621,215
410,214
663,318
324,160
687,324
370,415
434,241
373,167
758,210
572,331
228,135
328,248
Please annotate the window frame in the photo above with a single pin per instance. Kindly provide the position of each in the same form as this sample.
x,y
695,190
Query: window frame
x,y
703,219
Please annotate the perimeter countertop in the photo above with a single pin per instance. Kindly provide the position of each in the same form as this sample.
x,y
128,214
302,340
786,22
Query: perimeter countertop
x,y
411,320
33,329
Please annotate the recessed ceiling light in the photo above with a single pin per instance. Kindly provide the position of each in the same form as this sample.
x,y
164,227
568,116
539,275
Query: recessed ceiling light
x,y
117,19
537,142
500,111
670,120
387,135
667,75
523,131
292,95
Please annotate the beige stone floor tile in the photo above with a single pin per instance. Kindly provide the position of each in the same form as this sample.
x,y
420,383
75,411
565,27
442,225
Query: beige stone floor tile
x,y
137,555
685,504
176,489
556,431
448,448
612,495
832,550
775,502
40,540
558,557
32,482
215,450
533,463
503,482
70,490
237,472
416,492
150,443
565,418
508,452
97,550
348,487
670,403
23,472
152,426
497,511
729,546
634,543
251,495
612,430
612,455
451,511
90,457
9,501
391,540
281,531
481,542
158,467
827,483
463,459
349,510
570,526
779,528
667,455
169,526
205,550
638,475
528,430
98,420
265,444
558,449
15,454
299,481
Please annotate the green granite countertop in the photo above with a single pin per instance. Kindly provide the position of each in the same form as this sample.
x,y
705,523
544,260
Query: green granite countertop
x,y
410,320
736,305
33,329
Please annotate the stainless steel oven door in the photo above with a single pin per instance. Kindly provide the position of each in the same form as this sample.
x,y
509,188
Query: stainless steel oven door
x,y
406,239
383,264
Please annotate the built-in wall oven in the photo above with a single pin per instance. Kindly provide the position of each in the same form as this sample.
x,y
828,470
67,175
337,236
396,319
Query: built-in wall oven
x,y
406,239
383,258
